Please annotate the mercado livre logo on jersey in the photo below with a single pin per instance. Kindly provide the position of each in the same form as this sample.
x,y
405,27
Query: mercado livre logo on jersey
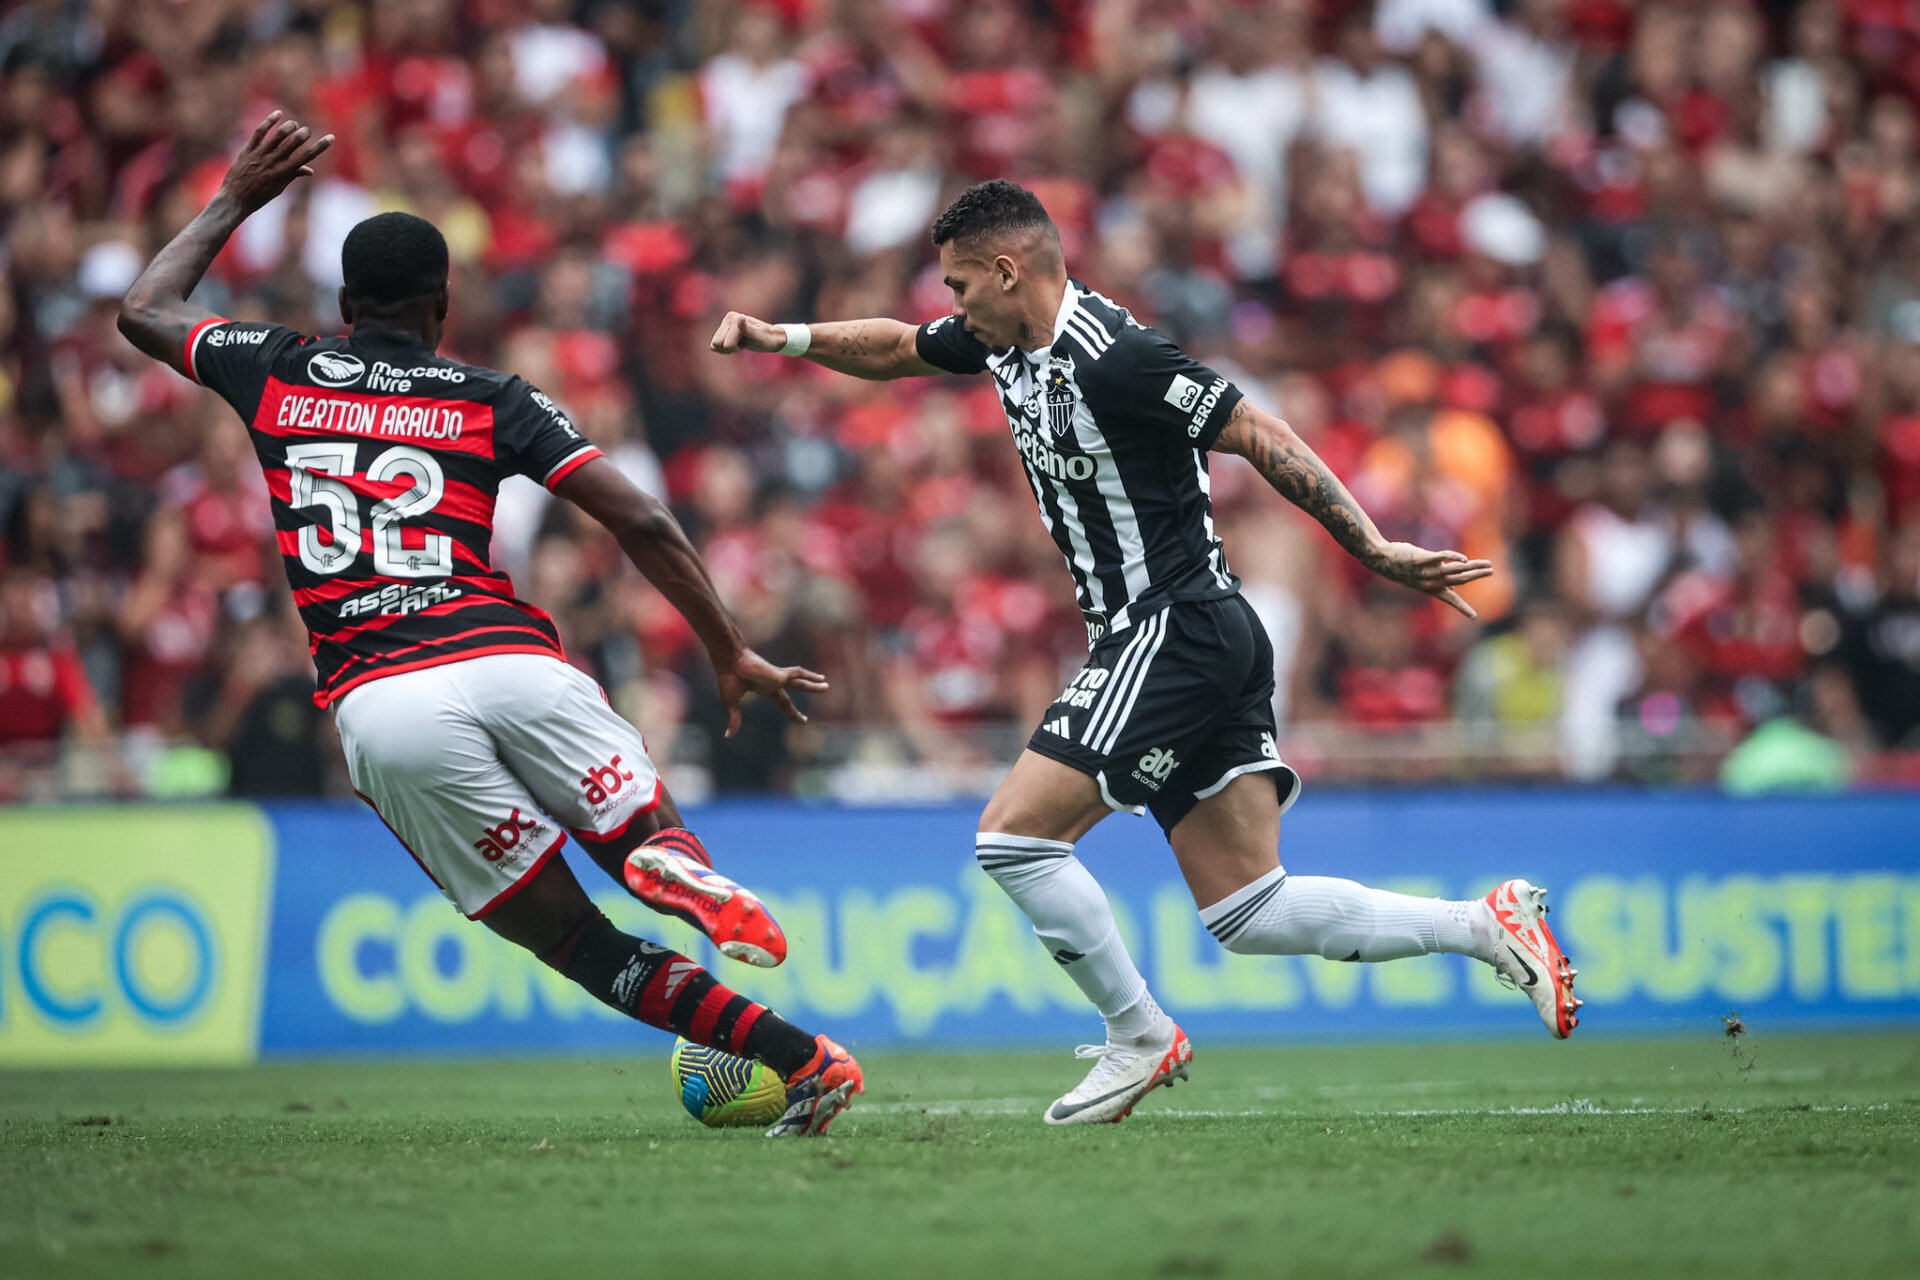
x,y
386,377
335,368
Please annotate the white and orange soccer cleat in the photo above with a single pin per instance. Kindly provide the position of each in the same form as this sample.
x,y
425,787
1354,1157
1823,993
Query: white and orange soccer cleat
x,y
819,1091
1527,956
1122,1075
673,874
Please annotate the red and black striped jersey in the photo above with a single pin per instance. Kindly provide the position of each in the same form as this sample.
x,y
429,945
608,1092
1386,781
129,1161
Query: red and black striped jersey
x,y
383,460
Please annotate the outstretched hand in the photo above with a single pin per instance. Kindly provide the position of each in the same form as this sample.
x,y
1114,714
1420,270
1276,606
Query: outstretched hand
x,y
280,150
751,673
740,332
1436,573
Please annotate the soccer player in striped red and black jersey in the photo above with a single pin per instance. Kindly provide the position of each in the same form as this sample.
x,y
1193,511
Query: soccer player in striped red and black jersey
x,y
383,459
463,725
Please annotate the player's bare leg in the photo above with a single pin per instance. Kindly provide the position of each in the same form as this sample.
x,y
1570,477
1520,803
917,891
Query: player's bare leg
x,y
551,916
1228,849
1025,843
666,866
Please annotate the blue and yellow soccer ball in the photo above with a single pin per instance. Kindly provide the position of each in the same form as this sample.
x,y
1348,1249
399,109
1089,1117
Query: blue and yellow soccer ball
x,y
725,1092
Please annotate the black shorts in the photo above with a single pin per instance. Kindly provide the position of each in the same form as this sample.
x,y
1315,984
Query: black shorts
x,y
1169,711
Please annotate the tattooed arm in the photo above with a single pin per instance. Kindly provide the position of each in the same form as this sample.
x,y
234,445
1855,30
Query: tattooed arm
x,y
1294,470
873,349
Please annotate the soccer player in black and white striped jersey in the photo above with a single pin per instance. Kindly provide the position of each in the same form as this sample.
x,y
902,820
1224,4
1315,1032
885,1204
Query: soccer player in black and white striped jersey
x,y
1172,713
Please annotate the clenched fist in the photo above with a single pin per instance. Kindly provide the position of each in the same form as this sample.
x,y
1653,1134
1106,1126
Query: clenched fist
x,y
738,332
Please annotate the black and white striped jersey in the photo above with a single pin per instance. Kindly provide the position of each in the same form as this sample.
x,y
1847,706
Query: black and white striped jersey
x,y
1113,422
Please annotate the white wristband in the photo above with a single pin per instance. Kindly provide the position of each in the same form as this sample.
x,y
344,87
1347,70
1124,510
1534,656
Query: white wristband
x,y
799,338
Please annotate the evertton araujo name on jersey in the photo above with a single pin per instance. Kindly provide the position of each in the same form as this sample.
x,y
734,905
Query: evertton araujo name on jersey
x,y
383,461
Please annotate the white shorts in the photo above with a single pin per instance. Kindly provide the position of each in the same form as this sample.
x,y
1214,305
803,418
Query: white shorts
x,y
480,767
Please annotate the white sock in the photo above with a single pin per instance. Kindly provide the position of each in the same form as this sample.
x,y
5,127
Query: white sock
x,y
1282,915
1074,921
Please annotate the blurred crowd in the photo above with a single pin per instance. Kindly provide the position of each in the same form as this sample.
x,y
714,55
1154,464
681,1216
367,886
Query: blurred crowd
x,y
1623,296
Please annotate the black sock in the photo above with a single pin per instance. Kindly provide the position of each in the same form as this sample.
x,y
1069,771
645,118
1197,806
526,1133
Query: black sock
x,y
663,988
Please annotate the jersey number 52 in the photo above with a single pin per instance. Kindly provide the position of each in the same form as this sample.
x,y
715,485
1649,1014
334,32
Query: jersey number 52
x,y
313,469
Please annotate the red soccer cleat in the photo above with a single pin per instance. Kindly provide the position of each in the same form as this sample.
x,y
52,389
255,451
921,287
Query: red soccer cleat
x,y
673,874
819,1091
1527,957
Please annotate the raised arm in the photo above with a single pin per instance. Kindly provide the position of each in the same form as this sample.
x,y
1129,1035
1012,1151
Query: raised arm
x,y
155,315
877,350
659,548
1299,476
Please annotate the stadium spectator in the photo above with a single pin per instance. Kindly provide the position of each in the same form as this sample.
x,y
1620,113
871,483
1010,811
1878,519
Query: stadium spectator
x,y
262,717
1881,644
1624,296
1369,105
746,92
45,695
1511,691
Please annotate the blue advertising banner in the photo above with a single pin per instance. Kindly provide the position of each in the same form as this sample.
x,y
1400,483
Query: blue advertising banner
x,y
222,933
1676,907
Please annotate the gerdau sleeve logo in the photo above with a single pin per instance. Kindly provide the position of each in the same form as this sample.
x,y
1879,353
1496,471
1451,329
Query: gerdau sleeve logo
x,y
1186,395
1183,393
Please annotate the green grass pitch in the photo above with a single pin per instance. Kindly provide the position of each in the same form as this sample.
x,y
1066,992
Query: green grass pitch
x,y
1694,1156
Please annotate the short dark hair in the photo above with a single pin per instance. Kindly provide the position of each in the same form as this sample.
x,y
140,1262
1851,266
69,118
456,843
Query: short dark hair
x,y
996,205
392,257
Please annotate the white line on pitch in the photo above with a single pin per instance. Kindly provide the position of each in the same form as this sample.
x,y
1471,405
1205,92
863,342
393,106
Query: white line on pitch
x,y
1572,1107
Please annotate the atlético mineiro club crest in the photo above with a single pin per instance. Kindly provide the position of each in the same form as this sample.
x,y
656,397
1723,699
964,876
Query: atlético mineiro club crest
x,y
1059,394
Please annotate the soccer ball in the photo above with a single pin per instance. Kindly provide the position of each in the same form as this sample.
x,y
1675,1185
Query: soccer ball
x,y
725,1092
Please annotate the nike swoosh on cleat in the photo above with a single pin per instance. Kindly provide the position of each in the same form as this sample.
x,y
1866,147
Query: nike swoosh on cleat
x,y
1060,1111
1533,979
